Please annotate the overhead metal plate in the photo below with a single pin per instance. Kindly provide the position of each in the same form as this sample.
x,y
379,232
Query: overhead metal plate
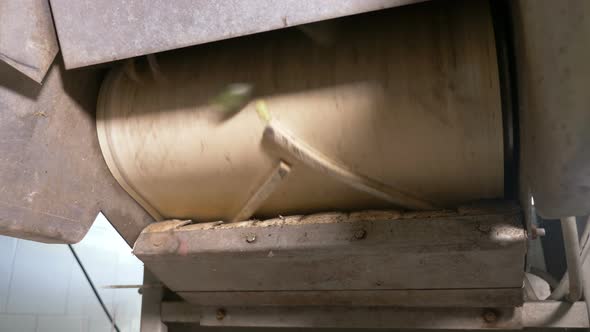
x,y
92,31
27,38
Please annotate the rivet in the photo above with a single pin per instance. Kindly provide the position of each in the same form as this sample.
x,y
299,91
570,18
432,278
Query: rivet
x,y
360,234
250,238
220,314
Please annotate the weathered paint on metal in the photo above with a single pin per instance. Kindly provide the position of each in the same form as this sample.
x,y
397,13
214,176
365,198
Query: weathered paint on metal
x,y
92,32
27,37
552,52
322,252
359,317
498,297
53,180
545,314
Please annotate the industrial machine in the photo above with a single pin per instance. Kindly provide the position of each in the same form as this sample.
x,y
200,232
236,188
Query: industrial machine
x,y
354,163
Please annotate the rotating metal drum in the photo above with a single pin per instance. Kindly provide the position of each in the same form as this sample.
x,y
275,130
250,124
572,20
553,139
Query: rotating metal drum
x,y
395,109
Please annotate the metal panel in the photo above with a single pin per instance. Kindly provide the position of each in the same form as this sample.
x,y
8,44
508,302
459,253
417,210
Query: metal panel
x,y
93,31
555,314
27,37
53,180
498,297
532,314
399,318
151,320
554,74
339,251
180,312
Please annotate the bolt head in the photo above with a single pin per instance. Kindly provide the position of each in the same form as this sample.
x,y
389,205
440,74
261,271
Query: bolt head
x,y
220,314
489,316
251,238
360,234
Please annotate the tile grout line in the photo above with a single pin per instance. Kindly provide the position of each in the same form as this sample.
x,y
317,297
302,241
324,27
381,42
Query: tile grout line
x,y
72,267
6,301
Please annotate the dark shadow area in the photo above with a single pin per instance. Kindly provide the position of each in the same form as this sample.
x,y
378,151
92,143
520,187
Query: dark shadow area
x,y
553,249
552,243
13,80
77,85
507,74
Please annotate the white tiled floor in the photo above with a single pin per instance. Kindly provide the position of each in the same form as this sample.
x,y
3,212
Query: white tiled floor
x,y
42,288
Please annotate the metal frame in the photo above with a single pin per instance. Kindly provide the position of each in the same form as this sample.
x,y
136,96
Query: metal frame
x,y
545,314
378,260
151,319
470,258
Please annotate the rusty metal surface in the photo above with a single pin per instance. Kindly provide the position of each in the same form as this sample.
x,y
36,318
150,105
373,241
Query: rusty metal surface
x,y
339,251
552,52
27,37
498,297
548,314
53,180
399,318
92,32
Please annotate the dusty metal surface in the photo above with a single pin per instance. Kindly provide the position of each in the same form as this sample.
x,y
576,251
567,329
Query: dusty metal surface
x,y
499,297
530,315
554,74
376,250
27,37
53,180
151,297
401,318
181,312
93,32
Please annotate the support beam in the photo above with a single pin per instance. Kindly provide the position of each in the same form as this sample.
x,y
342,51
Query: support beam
x,y
364,251
547,314
151,319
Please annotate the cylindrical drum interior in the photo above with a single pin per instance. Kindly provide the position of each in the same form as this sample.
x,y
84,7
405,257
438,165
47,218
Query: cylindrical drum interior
x,y
393,109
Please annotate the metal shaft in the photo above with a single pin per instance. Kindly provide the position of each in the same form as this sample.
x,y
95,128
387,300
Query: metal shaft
x,y
572,255
561,289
